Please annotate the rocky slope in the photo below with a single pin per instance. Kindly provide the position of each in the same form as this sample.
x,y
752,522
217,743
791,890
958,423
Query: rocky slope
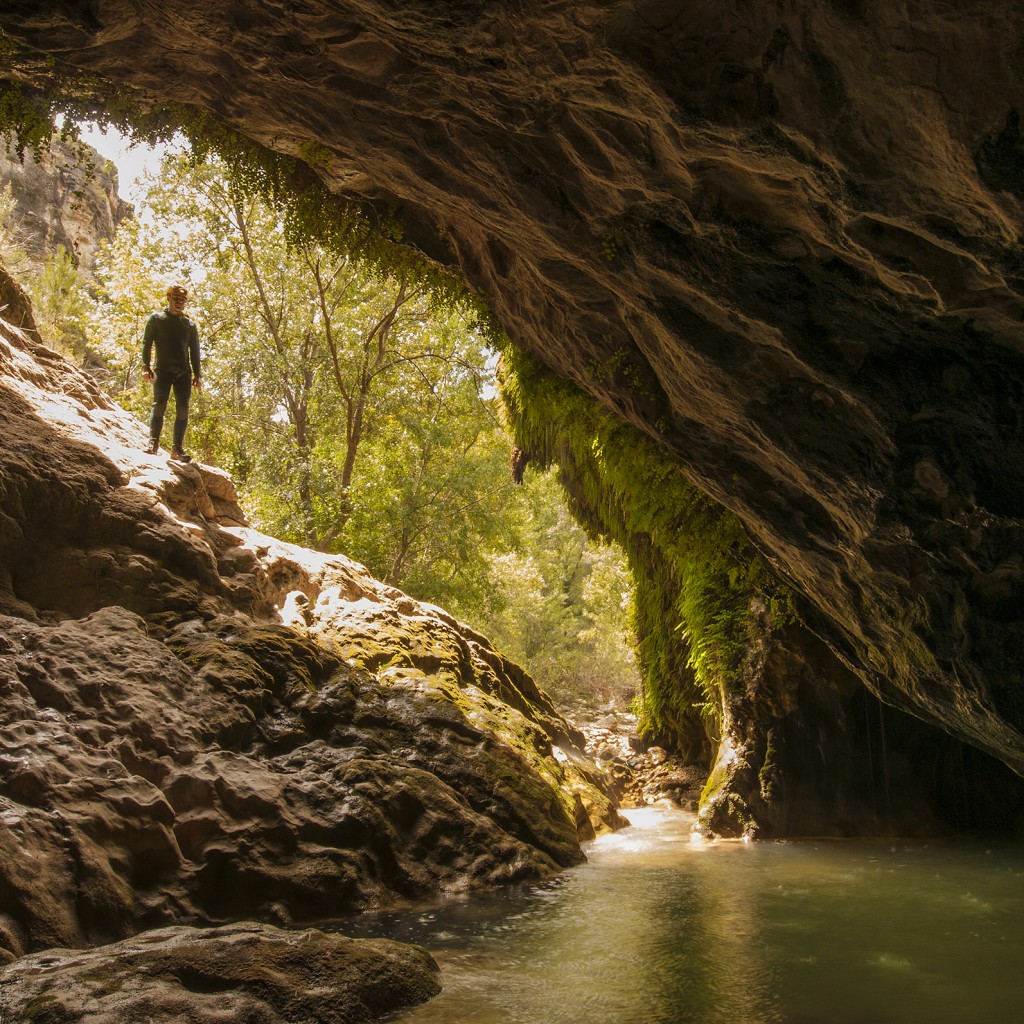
x,y
200,724
782,240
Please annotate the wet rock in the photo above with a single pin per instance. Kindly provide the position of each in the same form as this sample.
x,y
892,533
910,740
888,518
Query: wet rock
x,y
172,752
805,750
637,779
246,973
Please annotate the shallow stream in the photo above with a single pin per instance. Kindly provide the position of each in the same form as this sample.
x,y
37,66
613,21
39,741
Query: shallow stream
x,y
657,929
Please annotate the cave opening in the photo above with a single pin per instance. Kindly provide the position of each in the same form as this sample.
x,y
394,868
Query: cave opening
x,y
716,628
766,318
354,405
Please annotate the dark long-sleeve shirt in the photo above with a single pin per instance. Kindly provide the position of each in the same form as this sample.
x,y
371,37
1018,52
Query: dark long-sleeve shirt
x,y
176,339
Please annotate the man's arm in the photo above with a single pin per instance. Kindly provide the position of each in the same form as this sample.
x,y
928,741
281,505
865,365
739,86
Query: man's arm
x,y
193,354
147,347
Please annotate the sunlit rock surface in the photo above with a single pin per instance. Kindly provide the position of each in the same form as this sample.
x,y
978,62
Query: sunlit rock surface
x,y
246,974
198,723
782,238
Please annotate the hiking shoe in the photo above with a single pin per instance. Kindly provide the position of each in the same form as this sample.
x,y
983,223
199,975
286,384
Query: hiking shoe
x,y
154,446
177,455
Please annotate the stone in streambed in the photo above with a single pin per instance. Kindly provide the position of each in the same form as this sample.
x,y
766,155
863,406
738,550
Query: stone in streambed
x,y
244,973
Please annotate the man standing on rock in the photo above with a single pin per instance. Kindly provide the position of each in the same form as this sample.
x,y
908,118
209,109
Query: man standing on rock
x,y
176,338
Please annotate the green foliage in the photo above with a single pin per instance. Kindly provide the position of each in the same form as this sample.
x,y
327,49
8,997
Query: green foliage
x,y
347,405
559,603
26,117
12,237
61,305
60,300
356,414
132,272
427,502
696,572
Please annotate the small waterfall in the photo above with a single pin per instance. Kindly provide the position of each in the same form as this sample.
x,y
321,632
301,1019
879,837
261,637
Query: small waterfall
x,y
885,767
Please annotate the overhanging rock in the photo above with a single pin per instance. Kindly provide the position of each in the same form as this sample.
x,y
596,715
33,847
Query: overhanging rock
x,y
781,239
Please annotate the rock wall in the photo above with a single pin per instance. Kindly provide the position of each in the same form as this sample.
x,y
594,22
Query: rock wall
x,y
64,197
781,239
200,724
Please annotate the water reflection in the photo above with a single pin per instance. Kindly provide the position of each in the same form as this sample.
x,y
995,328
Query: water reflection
x,y
654,929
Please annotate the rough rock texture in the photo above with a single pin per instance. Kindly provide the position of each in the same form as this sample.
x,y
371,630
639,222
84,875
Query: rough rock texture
x,y
781,238
199,723
246,974
643,773
65,197
805,749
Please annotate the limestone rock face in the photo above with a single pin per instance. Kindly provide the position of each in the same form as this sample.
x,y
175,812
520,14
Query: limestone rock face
x,y
804,749
247,973
198,723
781,238
64,197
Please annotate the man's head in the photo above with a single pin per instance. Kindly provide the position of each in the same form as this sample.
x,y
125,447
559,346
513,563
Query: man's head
x,y
177,296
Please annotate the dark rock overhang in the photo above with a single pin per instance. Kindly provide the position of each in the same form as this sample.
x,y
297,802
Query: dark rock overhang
x,y
797,226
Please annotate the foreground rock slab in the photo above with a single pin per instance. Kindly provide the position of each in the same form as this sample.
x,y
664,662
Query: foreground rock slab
x,y
244,973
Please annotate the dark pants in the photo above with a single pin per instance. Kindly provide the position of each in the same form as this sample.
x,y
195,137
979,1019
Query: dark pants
x,y
163,382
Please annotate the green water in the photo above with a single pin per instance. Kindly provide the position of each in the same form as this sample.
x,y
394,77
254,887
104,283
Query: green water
x,y
656,929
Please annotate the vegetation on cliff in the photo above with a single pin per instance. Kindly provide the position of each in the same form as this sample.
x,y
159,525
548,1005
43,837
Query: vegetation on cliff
x,y
696,572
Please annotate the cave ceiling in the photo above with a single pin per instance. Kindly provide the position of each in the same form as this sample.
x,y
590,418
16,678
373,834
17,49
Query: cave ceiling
x,y
783,238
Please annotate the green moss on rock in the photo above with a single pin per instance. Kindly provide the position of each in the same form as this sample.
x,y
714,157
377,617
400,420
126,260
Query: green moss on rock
x,y
695,570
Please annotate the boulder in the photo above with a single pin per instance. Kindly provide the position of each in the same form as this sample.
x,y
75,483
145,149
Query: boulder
x,y
246,973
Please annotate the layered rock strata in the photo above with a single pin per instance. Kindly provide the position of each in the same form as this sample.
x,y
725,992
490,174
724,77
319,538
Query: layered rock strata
x,y
198,723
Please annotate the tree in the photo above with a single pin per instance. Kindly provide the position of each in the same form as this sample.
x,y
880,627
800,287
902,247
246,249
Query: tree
x,y
13,254
132,272
309,359
61,304
560,602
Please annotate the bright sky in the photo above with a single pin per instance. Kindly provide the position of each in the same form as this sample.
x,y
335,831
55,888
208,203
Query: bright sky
x,y
132,162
